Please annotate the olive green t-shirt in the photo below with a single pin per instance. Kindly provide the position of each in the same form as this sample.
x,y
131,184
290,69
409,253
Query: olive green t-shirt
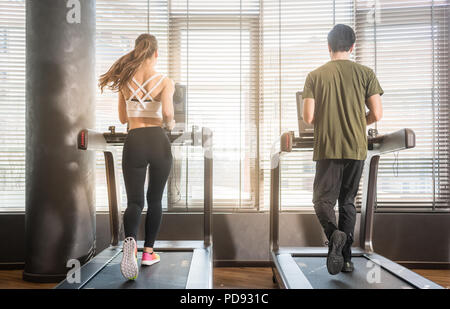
x,y
340,89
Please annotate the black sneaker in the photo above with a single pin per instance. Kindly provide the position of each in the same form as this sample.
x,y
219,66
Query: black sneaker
x,y
335,260
347,254
347,250
348,267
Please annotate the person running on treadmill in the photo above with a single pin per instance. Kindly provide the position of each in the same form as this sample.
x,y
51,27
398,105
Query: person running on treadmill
x,y
145,103
335,96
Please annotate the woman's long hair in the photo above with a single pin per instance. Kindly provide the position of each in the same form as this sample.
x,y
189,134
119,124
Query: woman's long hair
x,y
124,68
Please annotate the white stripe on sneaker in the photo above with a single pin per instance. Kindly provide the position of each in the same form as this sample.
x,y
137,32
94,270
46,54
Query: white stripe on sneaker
x,y
151,262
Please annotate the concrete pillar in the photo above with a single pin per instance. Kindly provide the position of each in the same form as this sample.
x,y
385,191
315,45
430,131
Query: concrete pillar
x,y
60,101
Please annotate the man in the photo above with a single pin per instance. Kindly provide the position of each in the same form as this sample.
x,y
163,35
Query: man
x,y
335,96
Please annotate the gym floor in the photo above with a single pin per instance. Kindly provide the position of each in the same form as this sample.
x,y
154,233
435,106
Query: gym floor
x,y
224,278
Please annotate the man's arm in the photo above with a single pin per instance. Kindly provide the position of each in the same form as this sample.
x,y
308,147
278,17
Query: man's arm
x,y
122,109
308,110
375,113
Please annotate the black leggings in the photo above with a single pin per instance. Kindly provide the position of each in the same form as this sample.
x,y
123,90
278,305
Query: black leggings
x,y
145,146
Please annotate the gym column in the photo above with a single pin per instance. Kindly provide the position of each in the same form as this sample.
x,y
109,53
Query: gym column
x,y
60,101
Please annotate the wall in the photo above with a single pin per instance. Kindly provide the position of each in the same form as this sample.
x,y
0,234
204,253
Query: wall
x,y
244,237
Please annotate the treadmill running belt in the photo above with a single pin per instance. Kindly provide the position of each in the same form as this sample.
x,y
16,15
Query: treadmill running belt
x,y
170,273
315,270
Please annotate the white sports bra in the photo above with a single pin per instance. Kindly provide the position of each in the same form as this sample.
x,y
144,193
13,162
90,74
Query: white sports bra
x,y
143,107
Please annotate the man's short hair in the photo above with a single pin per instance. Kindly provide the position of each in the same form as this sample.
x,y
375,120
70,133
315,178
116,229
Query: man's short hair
x,y
341,38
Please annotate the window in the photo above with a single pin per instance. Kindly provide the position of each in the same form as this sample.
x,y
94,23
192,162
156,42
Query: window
x,y
213,50
294,42
406,43
118,23
12,105
242,62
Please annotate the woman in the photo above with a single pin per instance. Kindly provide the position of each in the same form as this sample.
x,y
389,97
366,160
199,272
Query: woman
x,y
143,93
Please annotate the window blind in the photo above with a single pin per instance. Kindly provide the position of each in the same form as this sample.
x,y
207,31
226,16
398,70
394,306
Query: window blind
x,y
212,48
12,105
214,51
118,24
208,35
406,43
294,42
242,62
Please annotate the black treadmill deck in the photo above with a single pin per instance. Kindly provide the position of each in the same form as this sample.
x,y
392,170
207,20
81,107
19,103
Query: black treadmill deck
x,y
170,273
315,270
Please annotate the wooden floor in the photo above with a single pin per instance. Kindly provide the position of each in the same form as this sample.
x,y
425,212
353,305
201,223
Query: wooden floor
x,y
243,278
12,279
441,277
224,278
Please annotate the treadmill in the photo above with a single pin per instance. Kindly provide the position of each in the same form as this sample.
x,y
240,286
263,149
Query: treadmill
x,y
184,264
305,267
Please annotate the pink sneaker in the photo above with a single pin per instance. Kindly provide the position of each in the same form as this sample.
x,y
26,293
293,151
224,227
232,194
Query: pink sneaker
x,y
149,259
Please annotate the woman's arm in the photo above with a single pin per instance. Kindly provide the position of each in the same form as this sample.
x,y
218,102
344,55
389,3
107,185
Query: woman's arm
x,y
167,103
122,109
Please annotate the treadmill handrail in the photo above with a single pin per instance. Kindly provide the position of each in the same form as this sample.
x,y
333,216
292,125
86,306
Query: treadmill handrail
x,y
396,141
399,140
94,140
89,139
207,144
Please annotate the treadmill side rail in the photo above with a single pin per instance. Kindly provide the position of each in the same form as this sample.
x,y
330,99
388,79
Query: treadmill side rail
x,y
207,144
200,273
91,268
368,201
314,251
274,202
95,141
398,140
291,274
402,272
114,199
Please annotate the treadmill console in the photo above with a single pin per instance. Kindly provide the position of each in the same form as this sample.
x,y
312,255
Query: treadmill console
x,y
305,140
179,107
179,104
113,138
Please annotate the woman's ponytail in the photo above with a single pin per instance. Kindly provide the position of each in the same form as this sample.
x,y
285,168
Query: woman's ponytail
x,y
124,68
